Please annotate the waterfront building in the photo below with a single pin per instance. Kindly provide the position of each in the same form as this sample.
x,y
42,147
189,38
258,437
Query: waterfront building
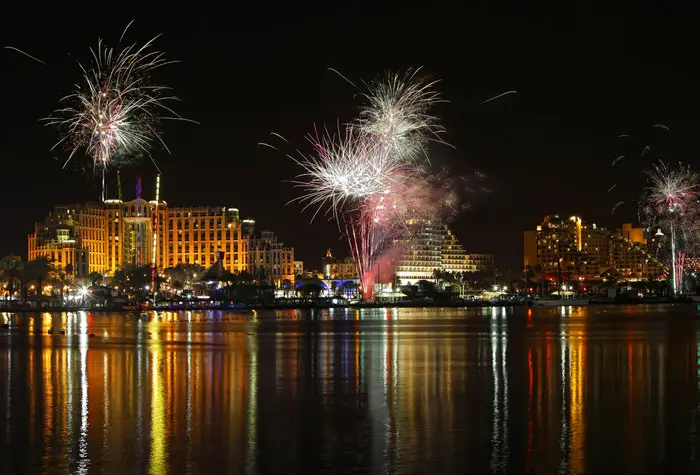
x,y
299,268
431,246
571,249
334,268
420,254
270,260
104,237
481,263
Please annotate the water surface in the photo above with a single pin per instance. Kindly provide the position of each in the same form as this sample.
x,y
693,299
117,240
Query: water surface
x,y
572,390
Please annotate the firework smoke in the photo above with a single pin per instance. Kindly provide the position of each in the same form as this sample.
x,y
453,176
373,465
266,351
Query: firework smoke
x,y
113,113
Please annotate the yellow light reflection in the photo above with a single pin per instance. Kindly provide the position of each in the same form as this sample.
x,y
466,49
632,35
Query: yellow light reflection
x,y
158,460
578,433
252,440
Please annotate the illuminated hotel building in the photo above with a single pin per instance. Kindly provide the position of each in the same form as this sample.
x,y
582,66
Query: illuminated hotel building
x,y
270,259
572,248
432,246
103,237
335,268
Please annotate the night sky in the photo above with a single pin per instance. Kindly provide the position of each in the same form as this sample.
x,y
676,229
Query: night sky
x,y
548,149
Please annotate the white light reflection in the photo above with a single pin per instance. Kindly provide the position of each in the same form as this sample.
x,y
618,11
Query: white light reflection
x,y
188,383
499,370
83,460
8,393
564,431
105,401
252,440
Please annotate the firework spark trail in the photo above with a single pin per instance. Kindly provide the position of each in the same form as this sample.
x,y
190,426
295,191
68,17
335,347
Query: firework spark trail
x,y
507,93
617,205
12,48
617,159
113,114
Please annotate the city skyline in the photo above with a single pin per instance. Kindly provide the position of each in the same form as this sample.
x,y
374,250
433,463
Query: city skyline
x,y
588,97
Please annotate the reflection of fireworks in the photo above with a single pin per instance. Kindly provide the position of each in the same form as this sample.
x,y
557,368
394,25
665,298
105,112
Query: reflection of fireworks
x,y
113,114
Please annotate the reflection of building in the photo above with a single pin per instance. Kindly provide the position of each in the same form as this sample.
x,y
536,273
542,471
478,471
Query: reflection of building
x,y
103,237
432,246
574,249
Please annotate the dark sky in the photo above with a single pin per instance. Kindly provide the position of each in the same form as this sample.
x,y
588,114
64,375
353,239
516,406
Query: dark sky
x,y
581,82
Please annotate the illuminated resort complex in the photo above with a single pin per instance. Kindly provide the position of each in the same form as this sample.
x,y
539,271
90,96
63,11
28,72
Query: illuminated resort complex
x,y
103,237
574,249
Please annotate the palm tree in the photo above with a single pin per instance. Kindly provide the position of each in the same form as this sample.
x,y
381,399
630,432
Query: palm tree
x,y
59,278
10,270
437,275
37,271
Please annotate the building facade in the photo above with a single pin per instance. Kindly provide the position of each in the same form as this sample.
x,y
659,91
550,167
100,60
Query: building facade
x,y
335,268
432,246
270,260
299,268
565,249
481,263
104,237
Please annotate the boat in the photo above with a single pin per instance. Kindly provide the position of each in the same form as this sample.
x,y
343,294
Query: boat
x,y
560,299
559,302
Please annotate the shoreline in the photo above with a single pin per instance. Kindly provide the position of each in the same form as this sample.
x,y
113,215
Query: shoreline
x,y
323,306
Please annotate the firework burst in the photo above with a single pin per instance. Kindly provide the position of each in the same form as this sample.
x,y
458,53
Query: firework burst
x,y
671,189
113,113
397,114
343,172
375,177
670,203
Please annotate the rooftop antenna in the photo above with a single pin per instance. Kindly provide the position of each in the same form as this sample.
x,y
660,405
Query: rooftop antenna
x,y
119,186
139,237
155,239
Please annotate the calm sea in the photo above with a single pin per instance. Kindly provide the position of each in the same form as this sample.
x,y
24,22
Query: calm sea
x,y
572,390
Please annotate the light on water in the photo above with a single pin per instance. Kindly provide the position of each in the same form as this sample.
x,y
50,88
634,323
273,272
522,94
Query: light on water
x,y
487,390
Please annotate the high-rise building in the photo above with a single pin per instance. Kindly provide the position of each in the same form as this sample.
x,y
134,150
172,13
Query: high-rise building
x,y
103,237
572,249
481,263
432,246
421,253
